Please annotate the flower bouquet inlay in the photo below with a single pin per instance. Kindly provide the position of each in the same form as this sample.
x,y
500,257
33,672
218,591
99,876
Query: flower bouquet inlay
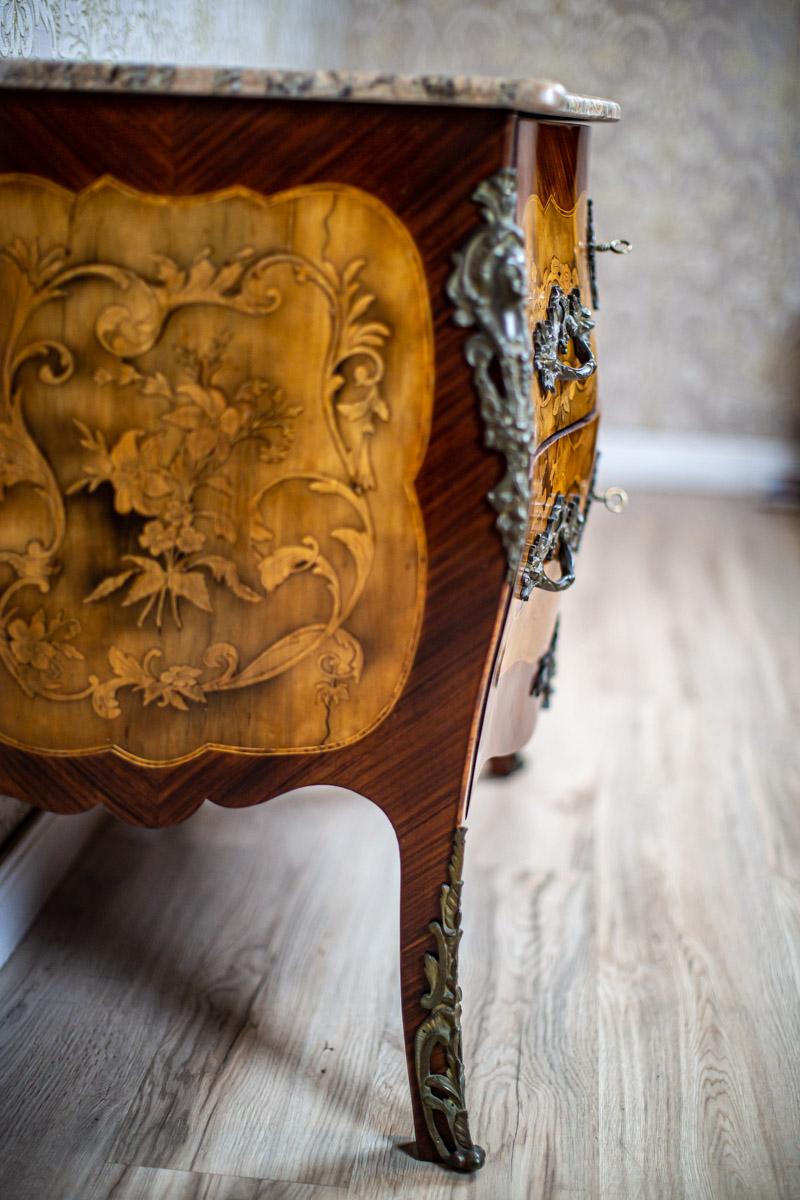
x,y
212,412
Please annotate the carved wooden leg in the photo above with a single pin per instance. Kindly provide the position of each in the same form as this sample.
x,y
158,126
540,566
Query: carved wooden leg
x,y
505,764
430,931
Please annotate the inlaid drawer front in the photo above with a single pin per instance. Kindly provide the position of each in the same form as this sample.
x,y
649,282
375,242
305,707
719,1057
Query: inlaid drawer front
x,y
553,212
562,481
212,414
559,316
561,487
563,468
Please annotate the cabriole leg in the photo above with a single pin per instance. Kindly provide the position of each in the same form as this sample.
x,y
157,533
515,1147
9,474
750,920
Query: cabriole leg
x,y
503,765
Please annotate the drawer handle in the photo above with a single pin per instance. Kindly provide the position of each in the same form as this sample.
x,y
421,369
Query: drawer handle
x,y
567,320
559,540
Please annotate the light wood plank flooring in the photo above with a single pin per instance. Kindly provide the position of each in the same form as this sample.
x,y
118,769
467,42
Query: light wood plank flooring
x,y
212,1013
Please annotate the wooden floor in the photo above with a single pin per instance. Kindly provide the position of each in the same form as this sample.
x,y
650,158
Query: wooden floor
x,y
212,1012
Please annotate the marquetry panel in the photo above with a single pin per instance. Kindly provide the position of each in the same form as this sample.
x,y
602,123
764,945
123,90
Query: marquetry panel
x,y
213,411
555,248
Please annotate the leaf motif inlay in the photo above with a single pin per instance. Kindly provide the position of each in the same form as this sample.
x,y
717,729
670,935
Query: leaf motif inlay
x,y
169,479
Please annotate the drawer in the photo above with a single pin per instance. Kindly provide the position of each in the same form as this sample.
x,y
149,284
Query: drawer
x,y
520,683
552,169
562,468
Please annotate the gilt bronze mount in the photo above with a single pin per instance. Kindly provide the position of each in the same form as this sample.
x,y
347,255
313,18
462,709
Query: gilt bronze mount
x,y
437,1052
567,320
489,290
559,539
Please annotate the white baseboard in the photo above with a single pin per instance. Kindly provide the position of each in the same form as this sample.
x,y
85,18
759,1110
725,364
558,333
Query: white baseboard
x,y
654,460
36,863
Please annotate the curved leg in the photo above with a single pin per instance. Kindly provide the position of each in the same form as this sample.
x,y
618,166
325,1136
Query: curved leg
x,y
505,764
430,931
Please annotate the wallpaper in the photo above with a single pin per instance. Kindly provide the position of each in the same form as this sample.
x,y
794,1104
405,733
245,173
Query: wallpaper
x,y
700,326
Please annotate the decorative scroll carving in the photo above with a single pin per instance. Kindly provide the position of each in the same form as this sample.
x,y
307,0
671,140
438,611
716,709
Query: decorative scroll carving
x,y
198,479
441,1084
489,290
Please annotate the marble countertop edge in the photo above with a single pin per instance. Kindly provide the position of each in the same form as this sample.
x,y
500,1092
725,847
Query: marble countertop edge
x,y
536,96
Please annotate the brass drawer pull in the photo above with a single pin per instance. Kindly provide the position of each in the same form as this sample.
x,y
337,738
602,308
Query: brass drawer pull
x,y
567,320
559,540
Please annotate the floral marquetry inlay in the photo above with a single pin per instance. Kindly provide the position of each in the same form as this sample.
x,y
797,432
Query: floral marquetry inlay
x,y
212,413
556,255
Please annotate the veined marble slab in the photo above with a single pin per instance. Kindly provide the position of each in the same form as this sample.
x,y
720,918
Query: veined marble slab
x,y
541,96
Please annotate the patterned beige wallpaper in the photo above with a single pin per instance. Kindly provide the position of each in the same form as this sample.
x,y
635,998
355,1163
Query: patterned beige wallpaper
x,y
700,326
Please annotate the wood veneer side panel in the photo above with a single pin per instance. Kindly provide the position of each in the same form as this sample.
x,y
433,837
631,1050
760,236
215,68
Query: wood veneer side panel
x,y
424,164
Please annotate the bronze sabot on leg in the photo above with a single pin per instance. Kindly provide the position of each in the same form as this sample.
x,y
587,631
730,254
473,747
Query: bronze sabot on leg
x,y
437,1049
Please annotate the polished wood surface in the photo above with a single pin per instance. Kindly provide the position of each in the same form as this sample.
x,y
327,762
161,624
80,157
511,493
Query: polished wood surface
x,y
210,429
182,147
179,147
631,951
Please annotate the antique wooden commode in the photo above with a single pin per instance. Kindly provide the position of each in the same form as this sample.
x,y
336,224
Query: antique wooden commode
x,y
297,433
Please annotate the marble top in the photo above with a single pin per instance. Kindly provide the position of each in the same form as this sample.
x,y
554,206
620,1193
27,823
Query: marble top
x,y
540,96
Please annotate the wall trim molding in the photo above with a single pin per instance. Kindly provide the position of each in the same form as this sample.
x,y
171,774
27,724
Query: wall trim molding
x,y
36,862
656,460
